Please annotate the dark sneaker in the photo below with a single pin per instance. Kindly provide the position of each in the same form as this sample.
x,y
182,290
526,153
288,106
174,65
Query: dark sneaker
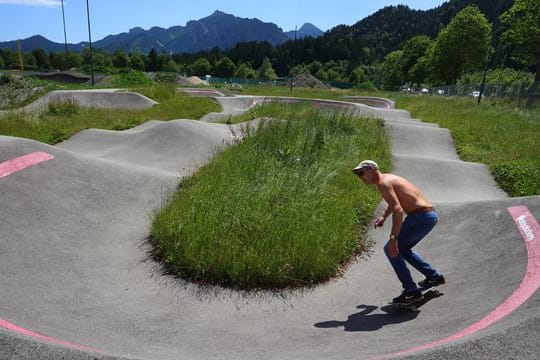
x,y
408,297
427,283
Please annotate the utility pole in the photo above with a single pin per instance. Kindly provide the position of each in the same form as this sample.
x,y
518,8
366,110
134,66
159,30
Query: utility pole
x,y
293,57
65,34
90,40
21,61
492,48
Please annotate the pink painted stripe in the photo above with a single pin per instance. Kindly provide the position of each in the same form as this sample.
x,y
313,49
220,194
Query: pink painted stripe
x,y
530,231
22,162
22,331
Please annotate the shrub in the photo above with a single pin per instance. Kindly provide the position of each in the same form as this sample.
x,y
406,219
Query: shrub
x,y
366,86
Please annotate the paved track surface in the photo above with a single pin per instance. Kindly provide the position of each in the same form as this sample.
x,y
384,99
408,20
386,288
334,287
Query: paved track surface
x,y
77,281
102,98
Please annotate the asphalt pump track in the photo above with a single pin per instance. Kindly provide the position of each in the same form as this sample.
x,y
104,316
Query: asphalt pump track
x,y
77,280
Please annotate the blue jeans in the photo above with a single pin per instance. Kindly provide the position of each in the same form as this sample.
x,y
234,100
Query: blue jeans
x,y
414,228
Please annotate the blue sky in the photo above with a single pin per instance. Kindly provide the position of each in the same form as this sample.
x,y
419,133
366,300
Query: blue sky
x,y
20,19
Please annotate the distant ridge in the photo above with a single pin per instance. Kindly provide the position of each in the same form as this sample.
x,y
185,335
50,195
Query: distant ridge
x,y
217,30
306,30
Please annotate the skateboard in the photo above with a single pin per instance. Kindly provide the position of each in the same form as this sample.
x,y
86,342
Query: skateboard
x,y
429,293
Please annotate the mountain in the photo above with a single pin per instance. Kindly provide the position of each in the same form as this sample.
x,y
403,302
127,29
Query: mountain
x,y
39,42
217,30
306,30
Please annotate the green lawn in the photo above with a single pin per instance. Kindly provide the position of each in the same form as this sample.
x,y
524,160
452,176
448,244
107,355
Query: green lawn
x,y
496,133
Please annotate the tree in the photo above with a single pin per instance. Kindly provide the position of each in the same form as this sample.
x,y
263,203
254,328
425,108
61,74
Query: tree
x,y
392,73
245,71
266,71
137,61
315,66
201,67
414,49
73,59
333,75
170,66
42,60
57,60
29,61
167,63
9,56
153,62
224,68
523,37
418,74
2,64
462,46
120,59
98,57
63,61
357,75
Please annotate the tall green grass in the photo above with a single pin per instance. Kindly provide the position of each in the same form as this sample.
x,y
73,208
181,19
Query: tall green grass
x,y
280,209
61,120
497,133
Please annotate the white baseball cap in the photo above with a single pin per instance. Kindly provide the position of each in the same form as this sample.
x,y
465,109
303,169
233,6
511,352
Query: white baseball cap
x,y
367,164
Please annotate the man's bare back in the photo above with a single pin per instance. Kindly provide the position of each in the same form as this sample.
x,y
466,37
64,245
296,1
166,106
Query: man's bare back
x,y
408,194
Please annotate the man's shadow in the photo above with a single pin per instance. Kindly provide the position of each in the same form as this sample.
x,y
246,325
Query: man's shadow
x,y
365,321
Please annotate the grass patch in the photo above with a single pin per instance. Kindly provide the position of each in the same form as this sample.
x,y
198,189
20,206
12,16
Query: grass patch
x,y
131,78
495,133
59,121
331,94
281,209
17,91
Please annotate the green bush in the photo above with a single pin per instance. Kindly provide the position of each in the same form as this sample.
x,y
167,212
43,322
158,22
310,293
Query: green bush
x,y
132,78
366,86
159,92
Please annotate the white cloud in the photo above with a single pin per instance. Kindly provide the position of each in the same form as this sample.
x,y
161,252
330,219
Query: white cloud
x,y
43,3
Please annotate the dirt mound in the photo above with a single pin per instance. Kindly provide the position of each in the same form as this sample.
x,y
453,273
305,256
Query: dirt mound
x,y
309,81
70,77
191,80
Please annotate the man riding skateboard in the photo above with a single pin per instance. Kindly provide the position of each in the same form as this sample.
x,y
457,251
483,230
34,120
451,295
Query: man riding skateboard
x,y
403,197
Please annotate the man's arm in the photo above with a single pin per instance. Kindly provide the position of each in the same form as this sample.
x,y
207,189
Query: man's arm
x,y
389,194
380,221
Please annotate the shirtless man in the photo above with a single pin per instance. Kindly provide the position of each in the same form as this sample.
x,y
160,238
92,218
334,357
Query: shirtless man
x,y
403,197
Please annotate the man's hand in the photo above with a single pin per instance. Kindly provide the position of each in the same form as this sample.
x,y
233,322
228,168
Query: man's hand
x,y
379,222
393,249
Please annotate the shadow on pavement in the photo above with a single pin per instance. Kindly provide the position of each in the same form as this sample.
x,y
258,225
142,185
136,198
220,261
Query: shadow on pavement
x,y
365,320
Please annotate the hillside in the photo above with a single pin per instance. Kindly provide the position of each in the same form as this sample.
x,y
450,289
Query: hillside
x,y
373,37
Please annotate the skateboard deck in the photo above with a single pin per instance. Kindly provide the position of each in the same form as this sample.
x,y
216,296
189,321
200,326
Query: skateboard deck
x,y
429,294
